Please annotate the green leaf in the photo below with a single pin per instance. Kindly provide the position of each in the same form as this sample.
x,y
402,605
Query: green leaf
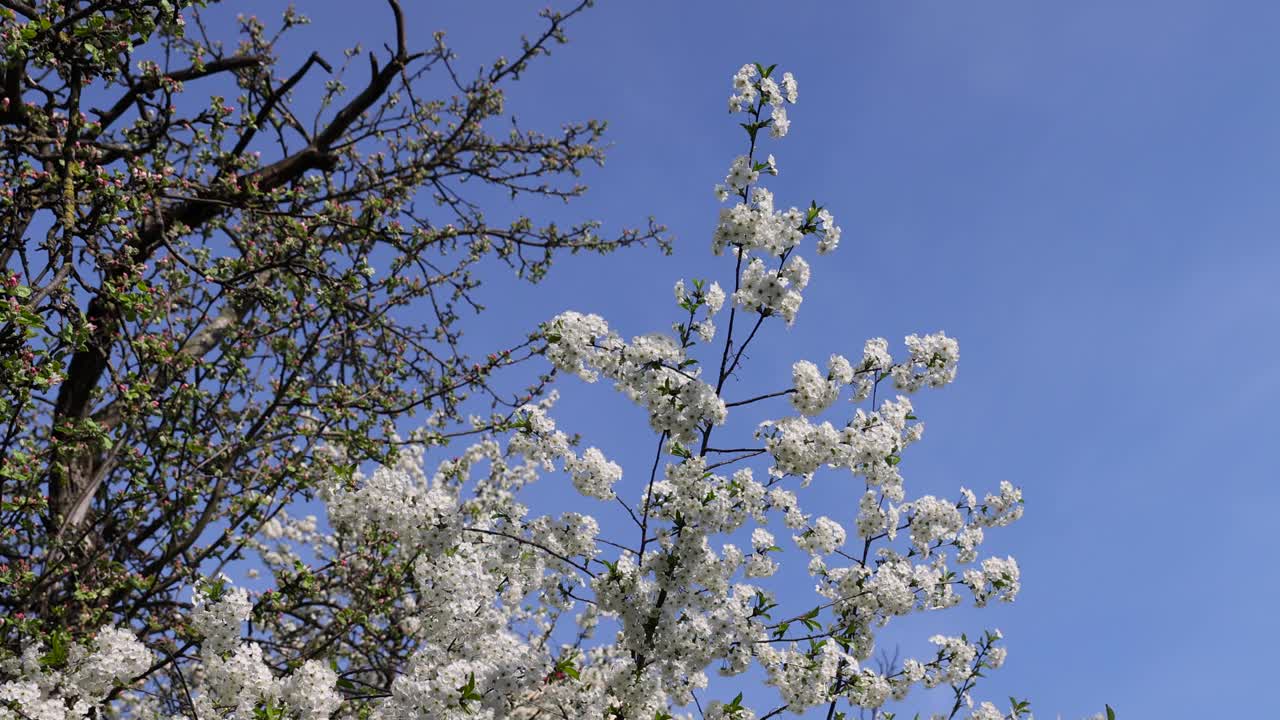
x,y
30,319
467,693
1111,714
59,646
268,711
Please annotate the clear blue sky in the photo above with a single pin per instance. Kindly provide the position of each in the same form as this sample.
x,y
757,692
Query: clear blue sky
x,y
1084,193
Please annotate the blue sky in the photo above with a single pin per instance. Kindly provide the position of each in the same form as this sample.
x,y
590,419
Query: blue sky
x,y
1083,193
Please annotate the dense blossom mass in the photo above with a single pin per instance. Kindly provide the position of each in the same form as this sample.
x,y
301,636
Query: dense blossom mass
x,y
503,613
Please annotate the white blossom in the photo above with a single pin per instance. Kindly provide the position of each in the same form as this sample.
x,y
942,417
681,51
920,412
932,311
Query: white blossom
x,y
594,475
789,89
780,124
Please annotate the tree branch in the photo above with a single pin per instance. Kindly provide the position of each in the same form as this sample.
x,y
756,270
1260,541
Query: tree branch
x,y
213,67
270,103
21,8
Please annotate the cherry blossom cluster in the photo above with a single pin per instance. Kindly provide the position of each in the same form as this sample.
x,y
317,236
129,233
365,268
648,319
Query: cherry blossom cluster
x,y
233,681
69,682
653,370
754,88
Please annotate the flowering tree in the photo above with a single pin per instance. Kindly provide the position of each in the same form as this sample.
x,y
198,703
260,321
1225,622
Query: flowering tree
x,y
205,277
441,595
